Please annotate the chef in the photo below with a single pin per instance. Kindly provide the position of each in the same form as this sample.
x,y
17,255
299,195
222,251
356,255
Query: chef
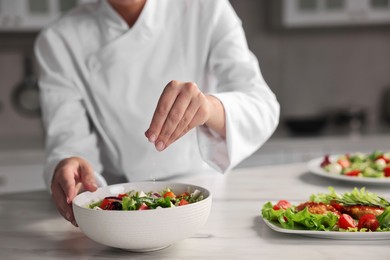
x,y
148,89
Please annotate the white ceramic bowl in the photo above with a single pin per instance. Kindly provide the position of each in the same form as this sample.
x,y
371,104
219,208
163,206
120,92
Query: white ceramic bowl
x,y
143,230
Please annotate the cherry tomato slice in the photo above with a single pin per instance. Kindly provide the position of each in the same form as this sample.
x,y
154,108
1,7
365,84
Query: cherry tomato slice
x,y
368,221
123,195
106,203
170,194
282,204
183,202
143,206
352,173
344,163
346,221
386,170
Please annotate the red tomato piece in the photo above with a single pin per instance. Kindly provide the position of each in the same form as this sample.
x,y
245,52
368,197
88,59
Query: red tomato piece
x,y
170,194
282,204
184,194
344,163
346,221
368,221
143,207
183,202
353,173
386,170
106,203
339,207
123,195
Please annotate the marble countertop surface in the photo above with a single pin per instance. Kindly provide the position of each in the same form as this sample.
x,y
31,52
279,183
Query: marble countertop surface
x,y
31,228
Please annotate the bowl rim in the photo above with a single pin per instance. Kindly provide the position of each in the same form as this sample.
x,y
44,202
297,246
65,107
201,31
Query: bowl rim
x,y
206,198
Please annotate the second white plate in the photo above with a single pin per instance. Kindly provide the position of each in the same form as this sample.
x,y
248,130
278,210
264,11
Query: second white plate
x,y
330,234
314,167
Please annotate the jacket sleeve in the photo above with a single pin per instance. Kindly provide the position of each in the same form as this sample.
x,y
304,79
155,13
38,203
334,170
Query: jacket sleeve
x,y
251,108
65,119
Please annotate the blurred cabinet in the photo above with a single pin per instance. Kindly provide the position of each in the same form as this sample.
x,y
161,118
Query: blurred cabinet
x,y
314,13
30,15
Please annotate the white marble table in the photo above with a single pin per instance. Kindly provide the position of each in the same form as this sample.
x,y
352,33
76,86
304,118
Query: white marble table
x,y
31,228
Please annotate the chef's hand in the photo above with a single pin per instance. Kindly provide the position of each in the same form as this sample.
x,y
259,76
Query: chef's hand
x,y
181,107
71,176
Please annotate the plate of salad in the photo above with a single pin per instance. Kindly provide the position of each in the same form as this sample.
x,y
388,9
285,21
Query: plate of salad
x,y
369,168
355,215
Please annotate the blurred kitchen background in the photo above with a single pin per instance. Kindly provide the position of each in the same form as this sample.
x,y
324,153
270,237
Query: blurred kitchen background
x,y
327,61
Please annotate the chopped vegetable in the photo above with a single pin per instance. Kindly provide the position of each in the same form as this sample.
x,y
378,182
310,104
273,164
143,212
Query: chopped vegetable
x,y
373,165
282,204
346,222
368,221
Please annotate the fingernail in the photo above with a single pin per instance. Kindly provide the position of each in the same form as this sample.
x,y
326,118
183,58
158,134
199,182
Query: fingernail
x,y
160,146
67,216
152,138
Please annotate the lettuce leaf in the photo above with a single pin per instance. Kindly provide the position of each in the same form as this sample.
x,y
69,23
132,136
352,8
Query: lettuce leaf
x,y
129,203
356,197
384,218
290,219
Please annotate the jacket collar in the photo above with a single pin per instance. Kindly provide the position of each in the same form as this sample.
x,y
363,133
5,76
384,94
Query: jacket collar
x,y
111,18
114,23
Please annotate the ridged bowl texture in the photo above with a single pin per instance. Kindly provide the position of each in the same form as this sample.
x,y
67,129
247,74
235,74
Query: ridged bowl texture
x,y
142,230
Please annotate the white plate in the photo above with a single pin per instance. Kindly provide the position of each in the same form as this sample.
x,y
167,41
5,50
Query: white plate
x,y
314,167
330,234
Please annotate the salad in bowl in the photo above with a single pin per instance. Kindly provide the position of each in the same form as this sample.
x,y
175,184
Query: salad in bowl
x,y
139,200
142,216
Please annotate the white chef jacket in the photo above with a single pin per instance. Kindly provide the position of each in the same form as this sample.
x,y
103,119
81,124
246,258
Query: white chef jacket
x,y
100,82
